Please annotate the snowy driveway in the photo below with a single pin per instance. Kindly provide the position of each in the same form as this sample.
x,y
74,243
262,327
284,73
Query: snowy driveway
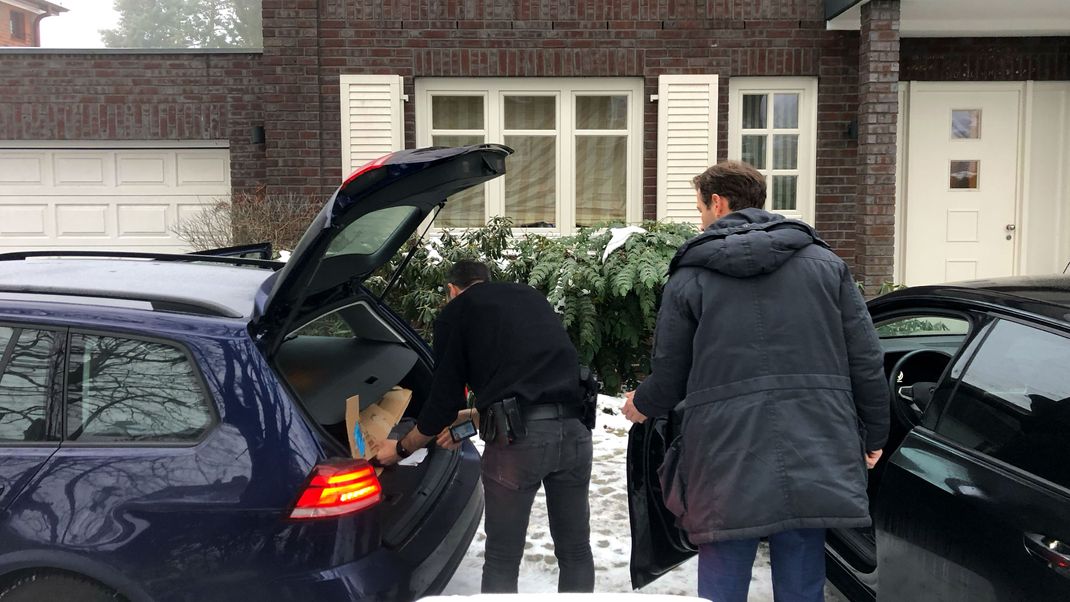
x,y
610,537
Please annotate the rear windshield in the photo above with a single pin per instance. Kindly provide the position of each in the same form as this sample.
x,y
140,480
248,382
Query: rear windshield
x,y
370,232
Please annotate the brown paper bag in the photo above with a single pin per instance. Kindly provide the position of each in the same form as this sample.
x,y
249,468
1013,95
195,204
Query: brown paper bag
x,y
375,422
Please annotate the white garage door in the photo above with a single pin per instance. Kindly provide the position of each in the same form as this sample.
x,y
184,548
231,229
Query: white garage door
x,y
106,197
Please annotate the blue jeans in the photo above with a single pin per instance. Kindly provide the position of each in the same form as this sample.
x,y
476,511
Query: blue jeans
x,y
797,556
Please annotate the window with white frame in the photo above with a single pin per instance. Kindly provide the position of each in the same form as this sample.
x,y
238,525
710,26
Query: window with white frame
x,y
578,144
772,124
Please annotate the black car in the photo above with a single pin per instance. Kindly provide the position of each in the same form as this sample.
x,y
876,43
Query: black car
x,y
971,500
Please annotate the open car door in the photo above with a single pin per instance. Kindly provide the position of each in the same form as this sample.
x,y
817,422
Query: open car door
x,y
658,545
360,228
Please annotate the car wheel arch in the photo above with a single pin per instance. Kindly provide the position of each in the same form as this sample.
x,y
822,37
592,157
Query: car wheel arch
x,y
14,565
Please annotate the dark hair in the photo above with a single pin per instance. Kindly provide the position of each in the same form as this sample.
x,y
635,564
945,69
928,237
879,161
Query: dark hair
x,y
466,272
737,181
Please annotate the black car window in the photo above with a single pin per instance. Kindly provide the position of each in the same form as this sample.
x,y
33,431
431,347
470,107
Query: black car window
x,y
328,325
121,389
25,362
1013,401
925,325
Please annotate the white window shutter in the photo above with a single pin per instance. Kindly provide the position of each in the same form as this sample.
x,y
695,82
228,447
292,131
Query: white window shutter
x,y
373,118
687,141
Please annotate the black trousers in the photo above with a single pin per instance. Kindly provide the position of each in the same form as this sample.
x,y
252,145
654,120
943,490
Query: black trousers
x,y
555,454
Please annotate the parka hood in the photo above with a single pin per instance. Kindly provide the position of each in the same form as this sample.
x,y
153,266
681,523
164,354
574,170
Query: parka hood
x,y
746,243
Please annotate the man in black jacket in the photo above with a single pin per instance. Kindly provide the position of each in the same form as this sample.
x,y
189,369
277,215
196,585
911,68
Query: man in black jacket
x,y
505,342
766,341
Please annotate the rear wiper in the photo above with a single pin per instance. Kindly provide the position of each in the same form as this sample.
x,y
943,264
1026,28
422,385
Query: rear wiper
x,y
408,256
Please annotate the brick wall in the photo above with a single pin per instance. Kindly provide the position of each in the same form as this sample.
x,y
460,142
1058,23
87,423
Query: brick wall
x,y
127,96
878,107
308,44
985,59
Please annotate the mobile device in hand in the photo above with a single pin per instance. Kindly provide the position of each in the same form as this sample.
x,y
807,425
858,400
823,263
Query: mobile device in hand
x,y
462,431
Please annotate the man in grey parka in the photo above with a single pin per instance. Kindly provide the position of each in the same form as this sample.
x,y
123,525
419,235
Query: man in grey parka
x,y
766,341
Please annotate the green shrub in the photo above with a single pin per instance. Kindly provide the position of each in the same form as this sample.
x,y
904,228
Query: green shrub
x,y
609,309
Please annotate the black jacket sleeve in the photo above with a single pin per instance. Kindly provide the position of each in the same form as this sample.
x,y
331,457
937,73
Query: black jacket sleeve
x,y
670,363
866,360
447,387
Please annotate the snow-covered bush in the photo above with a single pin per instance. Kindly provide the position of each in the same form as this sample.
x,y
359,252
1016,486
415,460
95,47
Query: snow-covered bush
x,y
608,307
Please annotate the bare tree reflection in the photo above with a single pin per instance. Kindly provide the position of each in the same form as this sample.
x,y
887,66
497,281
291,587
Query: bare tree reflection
x,y
24,376
131,390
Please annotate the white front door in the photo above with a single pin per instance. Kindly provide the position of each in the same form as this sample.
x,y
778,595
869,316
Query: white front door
x,y
962,181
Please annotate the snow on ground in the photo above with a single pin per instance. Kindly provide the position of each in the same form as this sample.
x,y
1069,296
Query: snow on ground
x,y
610,531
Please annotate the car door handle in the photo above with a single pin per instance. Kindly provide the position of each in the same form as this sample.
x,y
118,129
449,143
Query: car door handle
x,y
1055,553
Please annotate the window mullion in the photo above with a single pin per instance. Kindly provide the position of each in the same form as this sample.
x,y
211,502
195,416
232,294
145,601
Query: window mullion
x,y
566,172
495,127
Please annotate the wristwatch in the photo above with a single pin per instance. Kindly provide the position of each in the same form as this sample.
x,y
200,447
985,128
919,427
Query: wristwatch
x,y
401,451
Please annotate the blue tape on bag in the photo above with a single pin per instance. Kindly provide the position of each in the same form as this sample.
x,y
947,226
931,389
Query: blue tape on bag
x,y
358,437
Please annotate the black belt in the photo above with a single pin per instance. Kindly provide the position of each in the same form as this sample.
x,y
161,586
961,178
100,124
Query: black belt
x,y
552,411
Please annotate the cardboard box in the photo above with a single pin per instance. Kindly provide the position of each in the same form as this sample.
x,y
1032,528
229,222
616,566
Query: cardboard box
x,y
369,428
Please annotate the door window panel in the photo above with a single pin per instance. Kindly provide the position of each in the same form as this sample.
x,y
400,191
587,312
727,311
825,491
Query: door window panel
x,y
25,373
964,175
124,390
1013,401
966,124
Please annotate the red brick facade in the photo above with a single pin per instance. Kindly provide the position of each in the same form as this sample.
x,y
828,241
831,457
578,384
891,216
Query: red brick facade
x,y
137,97
309,44
985,59
878,109
292,89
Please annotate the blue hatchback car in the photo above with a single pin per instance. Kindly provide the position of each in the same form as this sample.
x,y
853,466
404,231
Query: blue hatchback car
x,y
172,427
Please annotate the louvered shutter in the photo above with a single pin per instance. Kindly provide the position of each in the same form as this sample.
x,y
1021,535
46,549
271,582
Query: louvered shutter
x,y
373,118
687,140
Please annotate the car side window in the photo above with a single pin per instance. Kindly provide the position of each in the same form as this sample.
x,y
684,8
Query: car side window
x,y
916,326
1013,401
127,390
25,376
328,325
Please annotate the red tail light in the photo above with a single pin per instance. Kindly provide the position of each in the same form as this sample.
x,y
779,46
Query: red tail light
x,y
370,165
338,488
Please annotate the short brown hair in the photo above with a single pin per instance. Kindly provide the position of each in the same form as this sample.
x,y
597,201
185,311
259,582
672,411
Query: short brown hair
x,y
741,184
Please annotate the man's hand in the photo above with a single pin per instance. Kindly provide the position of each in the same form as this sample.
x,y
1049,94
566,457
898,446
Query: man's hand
x,y
445,440
629,410
872,457
387,452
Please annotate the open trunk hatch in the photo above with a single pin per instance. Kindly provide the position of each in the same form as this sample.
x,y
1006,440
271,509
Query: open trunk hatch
x,y
367,220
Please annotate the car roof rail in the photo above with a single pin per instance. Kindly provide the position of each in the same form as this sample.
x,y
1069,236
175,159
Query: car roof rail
x,y
185,258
